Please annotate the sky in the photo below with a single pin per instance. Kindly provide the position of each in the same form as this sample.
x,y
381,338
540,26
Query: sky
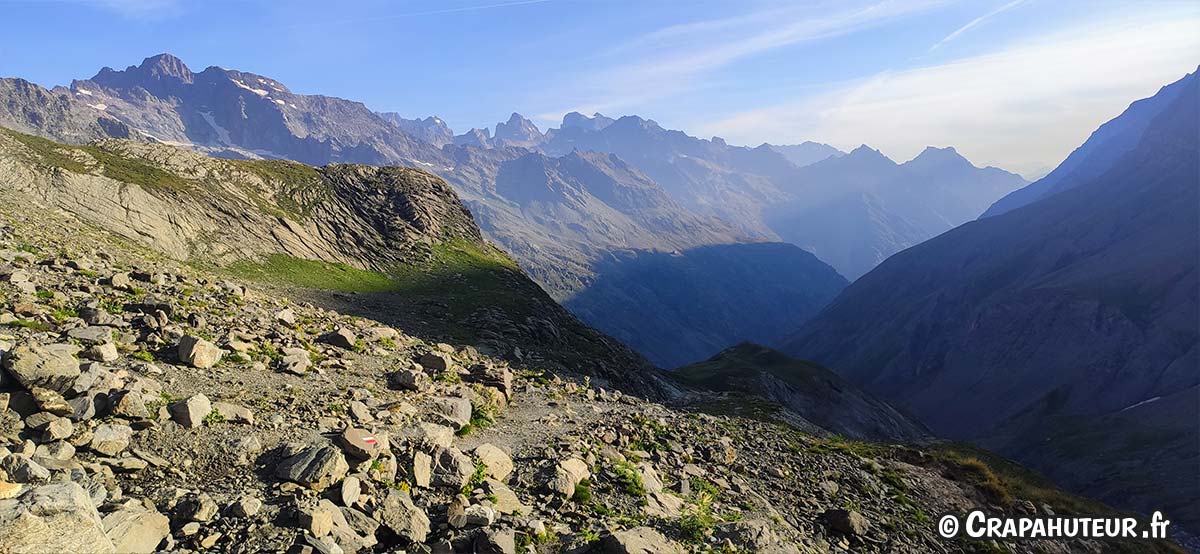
x,y
1012,83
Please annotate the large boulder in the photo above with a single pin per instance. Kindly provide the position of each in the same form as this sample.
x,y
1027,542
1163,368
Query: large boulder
x,y
52,366
52,518
316,467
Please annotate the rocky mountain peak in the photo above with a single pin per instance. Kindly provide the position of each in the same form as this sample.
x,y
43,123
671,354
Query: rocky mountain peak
x,y
153,71
576,120
518,131
947,156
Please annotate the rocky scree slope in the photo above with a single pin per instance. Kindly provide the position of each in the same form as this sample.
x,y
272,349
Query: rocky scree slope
x,y
151,406
395,235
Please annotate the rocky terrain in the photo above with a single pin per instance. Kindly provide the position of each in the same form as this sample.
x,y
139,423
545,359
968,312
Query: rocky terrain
x,y
157,402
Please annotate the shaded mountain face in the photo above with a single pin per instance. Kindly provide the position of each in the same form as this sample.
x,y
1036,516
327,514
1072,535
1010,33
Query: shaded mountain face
x,y
1097,155
811,391
807,152
648,300
854,211
518,131
1075,312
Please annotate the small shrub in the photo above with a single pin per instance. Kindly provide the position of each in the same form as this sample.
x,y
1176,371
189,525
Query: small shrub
x,y
583,492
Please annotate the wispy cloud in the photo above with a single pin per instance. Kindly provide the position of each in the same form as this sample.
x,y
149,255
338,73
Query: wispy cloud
x,y
1021,107
677,58
975,22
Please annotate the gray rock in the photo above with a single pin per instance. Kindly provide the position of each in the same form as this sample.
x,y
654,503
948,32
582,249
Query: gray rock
x,y
496,541
234,413
196,508
422,469
404,518
53,518
22,469
639,540
451,468
436,362
191,411
341,338
197,352
455,411
316,467
410,379
111,439
53,366
136,531
350,491
295,360
849,522
92,334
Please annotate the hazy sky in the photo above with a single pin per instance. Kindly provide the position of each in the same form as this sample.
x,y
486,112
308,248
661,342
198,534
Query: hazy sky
x,y
1014,83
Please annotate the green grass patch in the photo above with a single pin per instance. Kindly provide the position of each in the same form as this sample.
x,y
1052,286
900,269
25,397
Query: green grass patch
x,y
281,269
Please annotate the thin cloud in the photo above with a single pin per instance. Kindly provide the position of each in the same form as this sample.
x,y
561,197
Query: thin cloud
x,y
975,22
677,58
1021,107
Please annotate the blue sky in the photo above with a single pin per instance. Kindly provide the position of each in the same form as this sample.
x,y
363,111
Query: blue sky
x,y
1016,84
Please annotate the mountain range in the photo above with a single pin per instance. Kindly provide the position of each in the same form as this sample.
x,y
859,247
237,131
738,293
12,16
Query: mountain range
x,y
567,202
1063,332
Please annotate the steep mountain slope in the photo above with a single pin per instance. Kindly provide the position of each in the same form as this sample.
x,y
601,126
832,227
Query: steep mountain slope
x,y
807,152
854,211
1073,308
1096,156
648,300
397,235
813,392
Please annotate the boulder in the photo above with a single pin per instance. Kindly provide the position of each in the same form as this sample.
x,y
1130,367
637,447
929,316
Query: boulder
x,y
496,541
360,443
196,508
191,411
53,366
197,352
639,540
341,338
499,464
136,531
410,379
848,522
111,439
295,361
404,518
567,474
53,518
451,468
234,413
452,410
316,467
